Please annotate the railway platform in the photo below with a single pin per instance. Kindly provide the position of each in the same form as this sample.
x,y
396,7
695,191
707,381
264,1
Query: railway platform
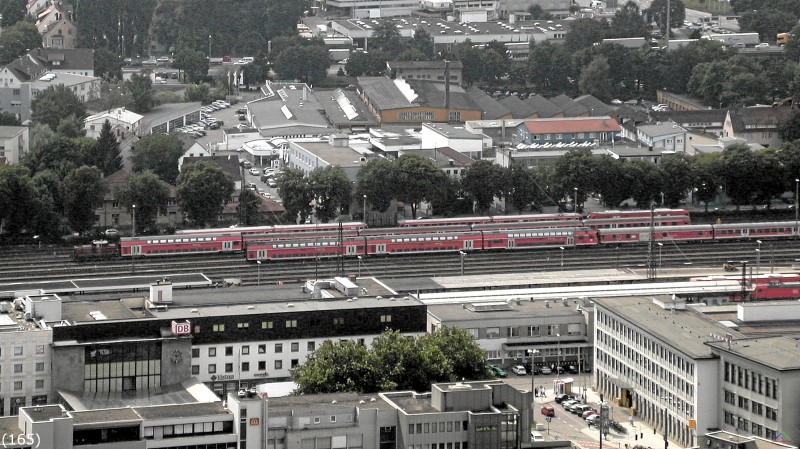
x,y
102,284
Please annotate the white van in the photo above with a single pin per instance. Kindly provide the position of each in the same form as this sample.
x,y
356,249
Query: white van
x,y
536,437
596,4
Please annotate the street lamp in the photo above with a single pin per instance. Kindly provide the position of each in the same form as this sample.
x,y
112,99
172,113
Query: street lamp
x,y
532,353
576,199
660,246
558,356
364,210
259,272
209,47
359,266
562,257
796,191
133,234
463,255
758,258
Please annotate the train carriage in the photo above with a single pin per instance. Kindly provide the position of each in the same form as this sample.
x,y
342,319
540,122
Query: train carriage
x,y
666,233
754,230
524,225
167,245
424,243
636,222
305,248
539,238
268,236
278,229
531,218
641,213
97,250
413,230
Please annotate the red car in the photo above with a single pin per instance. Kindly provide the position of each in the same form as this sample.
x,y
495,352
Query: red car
x,y
548,411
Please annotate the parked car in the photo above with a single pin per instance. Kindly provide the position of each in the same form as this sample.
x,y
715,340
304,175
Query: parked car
x,y
573,369
266,194
272,183
592,419
496,370
519,370
588,413
548,411
563,397
162,59
111,232
254,171
546,370
580,409
252,186
536,437
568,404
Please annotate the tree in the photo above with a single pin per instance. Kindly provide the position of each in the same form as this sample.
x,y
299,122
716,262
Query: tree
x,y
295,190
203,190
658,13
738,165
550,70
769,181
107,64
55,103
71,127
139,87
789,131
648,182
362,63
334,367
308,63
9,119
574,170
584,33
60,155
708,177
47,219
538,13
767,22
197,92
386,37
678,171
521,189
628,22
17,40
375,180
792,47
194,63
151,196
596,79
108,152
611,181
332,191
158,153
18,199
484,181
789,157
408,363
423,42
417,180
465,358
83,189
12,11
248,208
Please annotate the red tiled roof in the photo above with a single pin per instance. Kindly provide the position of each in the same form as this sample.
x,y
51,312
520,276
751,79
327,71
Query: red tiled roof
x,y
565,126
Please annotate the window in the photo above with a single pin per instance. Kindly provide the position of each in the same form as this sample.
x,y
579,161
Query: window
x,y
39,366
295,347
229,367
493,332
245,366
262,365
333,419
278,348
262,349
212,368
195,352
18,385
245,350
337,320
228,350
266,325
218,328
310,346
18,367
212,352
291,323
512,332
242,325
533,331
17,350
195,370
295,363
39,383
279,364
40,349
386,318
316,420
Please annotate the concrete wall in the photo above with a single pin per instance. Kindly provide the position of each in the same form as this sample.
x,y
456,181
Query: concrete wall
x,y
68,368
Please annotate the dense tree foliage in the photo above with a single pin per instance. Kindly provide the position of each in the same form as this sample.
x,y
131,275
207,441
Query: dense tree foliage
x,y
150,195
657,12
107,150
55,103
120,26
194,63
332,192
296,192
12,11
393,362
203,191
17,40
83,189
158,153
141,96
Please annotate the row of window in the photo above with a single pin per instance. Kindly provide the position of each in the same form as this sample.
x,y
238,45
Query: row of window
x,y
456,445
184,430
747,426
755,382
440,427
20,385
551,330
20,350
245,367
288,324
18,368
753,406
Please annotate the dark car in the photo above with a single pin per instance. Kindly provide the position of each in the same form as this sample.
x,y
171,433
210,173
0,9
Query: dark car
x,y
532,369
563,397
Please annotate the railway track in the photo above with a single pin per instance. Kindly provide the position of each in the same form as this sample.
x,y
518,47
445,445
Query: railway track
x,y
44,265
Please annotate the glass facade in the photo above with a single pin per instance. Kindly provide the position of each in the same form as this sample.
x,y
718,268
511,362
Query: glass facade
x,y
122,367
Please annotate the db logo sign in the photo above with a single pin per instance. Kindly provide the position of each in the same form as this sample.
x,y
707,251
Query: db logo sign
x,y
254,421
181,328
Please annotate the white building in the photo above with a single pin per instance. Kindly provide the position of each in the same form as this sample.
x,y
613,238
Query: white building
x,y
123,123
669,136
14,142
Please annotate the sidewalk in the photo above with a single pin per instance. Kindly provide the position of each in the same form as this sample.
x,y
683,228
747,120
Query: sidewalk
x,y
637,432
